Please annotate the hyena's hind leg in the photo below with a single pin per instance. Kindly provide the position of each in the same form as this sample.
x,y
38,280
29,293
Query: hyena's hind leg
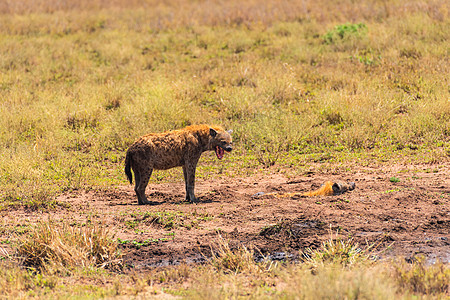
x,y
142,178
137,181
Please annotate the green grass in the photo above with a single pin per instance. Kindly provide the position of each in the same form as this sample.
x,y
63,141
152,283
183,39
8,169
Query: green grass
x,y
358,83
77,87
342,33
167,219
138,245
394,179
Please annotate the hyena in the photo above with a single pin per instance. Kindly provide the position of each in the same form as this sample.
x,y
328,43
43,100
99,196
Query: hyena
x,y
177,148
329,188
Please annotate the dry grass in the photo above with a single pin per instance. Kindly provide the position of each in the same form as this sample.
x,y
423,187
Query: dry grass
x,y
232,272
80,80
242,259
57,247
170,14
337,270
338,251
16,283
332,282
420,277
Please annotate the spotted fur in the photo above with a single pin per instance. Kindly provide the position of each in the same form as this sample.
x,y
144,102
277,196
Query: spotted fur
x,y
177,148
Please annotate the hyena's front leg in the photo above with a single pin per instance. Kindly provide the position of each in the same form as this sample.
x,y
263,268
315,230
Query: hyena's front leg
x,y
189,179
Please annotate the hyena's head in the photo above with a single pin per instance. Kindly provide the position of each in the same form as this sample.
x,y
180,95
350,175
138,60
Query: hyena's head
x,y
342,187
220,141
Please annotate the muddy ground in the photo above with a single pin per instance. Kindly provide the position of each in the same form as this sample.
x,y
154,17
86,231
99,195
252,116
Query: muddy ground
x,y
404,218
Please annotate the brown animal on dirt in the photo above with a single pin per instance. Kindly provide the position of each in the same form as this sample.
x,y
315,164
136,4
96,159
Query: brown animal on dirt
x,y
329,188
177,148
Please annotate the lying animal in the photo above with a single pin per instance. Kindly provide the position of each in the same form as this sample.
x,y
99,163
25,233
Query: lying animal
x,y
329,188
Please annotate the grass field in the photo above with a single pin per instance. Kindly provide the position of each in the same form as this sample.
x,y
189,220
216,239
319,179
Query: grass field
x,y
299,82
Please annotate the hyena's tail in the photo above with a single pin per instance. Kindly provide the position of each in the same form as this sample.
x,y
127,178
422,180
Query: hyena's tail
x,y
128,167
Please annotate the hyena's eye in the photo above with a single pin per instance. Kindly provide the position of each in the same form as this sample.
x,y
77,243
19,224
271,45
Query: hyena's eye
x,y
223,142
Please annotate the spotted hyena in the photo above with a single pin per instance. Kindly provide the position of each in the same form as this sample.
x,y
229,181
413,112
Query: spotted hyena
x,y
177,148
329,188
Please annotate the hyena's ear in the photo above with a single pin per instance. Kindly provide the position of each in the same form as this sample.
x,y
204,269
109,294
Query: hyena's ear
x,y
212,132
230,131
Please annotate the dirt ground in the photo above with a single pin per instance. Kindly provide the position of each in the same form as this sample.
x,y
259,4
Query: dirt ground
x,y
404,218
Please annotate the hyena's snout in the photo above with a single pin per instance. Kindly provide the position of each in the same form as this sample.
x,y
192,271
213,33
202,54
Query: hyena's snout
x,y
220,150
221,142
228,148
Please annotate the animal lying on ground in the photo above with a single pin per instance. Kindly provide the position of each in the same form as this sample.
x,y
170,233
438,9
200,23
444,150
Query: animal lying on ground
x,y
177,148
329,188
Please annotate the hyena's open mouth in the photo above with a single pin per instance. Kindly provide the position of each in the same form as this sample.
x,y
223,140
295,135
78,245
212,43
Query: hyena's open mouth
x,y
219,152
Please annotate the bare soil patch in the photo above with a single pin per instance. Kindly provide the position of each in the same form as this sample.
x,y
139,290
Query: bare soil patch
x,y
412,214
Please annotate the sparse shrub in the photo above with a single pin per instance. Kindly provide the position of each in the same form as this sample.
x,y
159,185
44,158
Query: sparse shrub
x,y
113,103
345,32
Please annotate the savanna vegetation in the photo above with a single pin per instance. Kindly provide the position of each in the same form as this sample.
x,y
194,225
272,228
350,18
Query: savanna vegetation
x,y
298,82
60,260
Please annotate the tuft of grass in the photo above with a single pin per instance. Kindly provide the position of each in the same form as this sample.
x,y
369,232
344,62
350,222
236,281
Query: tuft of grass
x,y
52,246
267,145
332,282
18,283
339,252
394,179
242,259
31,197
420,278
177,274
21,283
225,259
